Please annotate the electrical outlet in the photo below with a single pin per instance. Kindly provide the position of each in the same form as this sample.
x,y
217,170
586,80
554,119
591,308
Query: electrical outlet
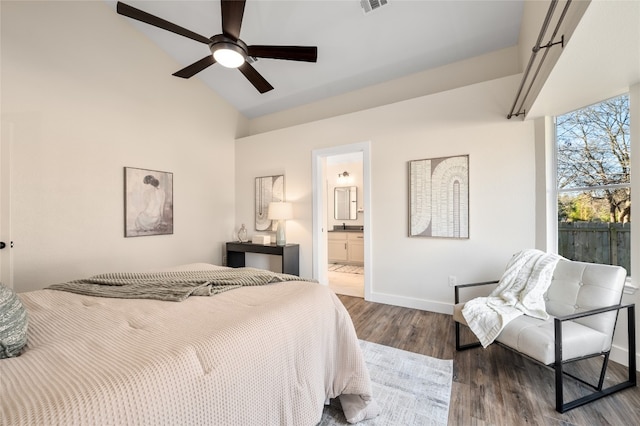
x,y
452,281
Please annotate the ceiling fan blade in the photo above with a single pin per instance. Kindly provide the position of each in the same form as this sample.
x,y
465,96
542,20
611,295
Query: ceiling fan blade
x,y
255,78
292,53
196,67
140,15
232,12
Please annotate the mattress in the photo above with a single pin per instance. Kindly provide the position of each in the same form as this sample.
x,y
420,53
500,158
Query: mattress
x,y
265,355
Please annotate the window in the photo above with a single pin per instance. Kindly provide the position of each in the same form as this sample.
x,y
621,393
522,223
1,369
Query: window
x,y
593,152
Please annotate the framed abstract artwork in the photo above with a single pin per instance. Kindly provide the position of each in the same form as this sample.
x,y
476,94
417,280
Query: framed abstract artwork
x,y
268,189
148,202
439,197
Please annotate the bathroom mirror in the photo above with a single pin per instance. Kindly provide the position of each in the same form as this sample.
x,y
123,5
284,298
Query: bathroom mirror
x,y
345,201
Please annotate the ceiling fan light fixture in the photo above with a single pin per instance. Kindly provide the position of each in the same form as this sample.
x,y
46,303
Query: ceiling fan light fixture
x,y
229,58
227,49
228,53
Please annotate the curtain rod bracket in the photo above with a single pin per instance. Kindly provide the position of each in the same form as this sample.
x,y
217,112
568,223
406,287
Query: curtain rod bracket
x,y
522,112
535,49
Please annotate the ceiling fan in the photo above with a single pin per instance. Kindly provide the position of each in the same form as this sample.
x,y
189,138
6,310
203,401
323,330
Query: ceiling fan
x,y
227,49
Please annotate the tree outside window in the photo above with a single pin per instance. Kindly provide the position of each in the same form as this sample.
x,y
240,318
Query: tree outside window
x,y
593,183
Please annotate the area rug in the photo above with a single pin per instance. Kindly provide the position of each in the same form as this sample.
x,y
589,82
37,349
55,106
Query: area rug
x,y
347,269
409,388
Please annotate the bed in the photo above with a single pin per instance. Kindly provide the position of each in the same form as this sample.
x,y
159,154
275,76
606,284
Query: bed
x,y
261,355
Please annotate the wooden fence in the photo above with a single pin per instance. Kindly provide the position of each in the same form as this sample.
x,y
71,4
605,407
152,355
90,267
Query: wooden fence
x,y
596,242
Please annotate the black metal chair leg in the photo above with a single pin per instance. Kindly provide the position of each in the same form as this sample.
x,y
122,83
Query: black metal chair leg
x,y
605,363
558,367
563,407
460,347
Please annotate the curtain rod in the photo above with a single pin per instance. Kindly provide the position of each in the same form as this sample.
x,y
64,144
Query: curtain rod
x,y
535,50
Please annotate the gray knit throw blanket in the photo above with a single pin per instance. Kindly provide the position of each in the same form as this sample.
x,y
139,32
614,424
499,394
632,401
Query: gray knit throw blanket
x,y
171,286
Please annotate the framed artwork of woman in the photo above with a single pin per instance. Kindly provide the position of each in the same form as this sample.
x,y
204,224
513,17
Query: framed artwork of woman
x,y
148,203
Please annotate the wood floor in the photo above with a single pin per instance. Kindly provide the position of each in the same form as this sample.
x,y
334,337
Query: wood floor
x,y
492,386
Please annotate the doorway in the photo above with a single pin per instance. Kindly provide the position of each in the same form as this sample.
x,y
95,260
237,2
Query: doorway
x,y
345,223
323,161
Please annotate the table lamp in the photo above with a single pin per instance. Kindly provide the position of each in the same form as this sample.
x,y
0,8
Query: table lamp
x,y
280,211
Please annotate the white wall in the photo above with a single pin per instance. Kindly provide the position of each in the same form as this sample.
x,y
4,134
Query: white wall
x,y
86,95
414,271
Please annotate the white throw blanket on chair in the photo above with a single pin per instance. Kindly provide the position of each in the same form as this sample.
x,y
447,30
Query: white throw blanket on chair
x,y
520,292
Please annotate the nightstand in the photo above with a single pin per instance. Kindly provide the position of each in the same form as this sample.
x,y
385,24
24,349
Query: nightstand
x,y
289,253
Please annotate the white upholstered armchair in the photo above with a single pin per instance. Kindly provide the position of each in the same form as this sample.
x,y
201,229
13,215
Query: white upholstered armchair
x,y
583,301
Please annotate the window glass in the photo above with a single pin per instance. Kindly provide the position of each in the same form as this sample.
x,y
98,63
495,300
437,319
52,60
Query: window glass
x,y
593,183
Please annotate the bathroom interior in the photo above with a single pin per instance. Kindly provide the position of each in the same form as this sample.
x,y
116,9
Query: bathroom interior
x,y
345,224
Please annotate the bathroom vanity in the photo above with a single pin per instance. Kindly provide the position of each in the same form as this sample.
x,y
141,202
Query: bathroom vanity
x,y
346,245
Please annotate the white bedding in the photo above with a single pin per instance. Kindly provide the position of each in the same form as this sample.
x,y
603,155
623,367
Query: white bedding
x,y
266,355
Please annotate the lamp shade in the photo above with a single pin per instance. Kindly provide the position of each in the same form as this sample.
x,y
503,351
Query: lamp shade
x,y
280,211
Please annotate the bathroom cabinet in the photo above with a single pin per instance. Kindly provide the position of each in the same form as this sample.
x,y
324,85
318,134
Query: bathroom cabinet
x,y
346,247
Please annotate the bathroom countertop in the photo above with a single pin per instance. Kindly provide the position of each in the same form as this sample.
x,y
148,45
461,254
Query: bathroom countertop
x,y
339,228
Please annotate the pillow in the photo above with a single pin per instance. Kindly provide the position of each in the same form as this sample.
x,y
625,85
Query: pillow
x,y
13,323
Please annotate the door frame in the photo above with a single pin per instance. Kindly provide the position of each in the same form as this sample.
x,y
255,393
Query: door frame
x,y
6,255
320,250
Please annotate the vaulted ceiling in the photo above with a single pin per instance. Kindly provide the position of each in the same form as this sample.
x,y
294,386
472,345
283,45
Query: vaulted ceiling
x,y
355,49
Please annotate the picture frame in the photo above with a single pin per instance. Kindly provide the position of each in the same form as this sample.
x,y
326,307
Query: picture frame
x,y
148,202
439,197
267,189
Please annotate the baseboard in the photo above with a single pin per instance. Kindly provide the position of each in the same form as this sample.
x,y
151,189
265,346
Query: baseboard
x,y
620,355
412,302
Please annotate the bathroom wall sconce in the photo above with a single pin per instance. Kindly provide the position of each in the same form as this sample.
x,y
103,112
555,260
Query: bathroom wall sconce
x,y
344,178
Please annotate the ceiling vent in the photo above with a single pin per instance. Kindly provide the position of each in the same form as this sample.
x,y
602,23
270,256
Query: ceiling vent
x,y
371,5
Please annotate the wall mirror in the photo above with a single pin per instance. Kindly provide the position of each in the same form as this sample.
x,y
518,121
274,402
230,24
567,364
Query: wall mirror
x,y
345,201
